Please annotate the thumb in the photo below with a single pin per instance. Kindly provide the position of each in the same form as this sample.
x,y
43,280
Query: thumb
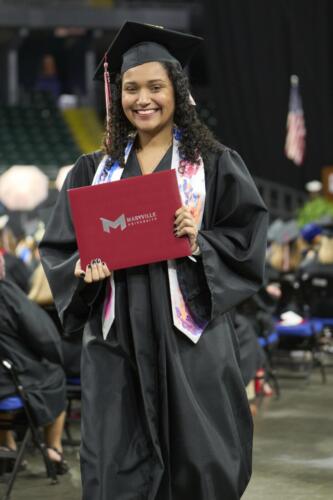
x,y
78,270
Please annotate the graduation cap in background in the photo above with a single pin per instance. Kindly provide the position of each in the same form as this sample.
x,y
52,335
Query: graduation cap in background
x,y
310,231
136,44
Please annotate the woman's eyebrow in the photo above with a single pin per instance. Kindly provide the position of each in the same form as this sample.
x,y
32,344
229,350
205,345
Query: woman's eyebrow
x,y
156,80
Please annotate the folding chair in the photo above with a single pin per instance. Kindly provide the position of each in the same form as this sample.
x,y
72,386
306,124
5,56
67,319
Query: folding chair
x,y
318,295
303,338
16,415
268,344
10,406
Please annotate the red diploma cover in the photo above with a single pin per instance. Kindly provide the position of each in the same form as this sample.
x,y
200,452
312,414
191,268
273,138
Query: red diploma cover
x,y
128,222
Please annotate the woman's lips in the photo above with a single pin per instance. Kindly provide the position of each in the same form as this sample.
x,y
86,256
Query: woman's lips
x,y
145,112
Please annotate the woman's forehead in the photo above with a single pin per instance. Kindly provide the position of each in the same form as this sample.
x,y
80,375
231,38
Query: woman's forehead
x,y
149,71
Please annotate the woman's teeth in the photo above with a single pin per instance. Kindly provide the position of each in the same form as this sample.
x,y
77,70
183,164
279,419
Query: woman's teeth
x,y
145,111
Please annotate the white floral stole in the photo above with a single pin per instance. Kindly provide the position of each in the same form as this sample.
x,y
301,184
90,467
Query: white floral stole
x,y
191,183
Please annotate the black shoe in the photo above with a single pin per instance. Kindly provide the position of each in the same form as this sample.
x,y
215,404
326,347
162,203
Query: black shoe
x,y
62,466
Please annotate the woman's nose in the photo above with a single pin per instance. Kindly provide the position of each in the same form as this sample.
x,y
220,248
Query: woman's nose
x,y
143,97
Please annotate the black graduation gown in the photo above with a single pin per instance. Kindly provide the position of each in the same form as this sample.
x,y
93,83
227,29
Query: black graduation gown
x,y
71,346
252,357
162,418
17,272
29,338
71,350
253,319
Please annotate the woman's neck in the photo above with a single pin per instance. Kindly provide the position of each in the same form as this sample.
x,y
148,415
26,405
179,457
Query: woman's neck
x,y
161,140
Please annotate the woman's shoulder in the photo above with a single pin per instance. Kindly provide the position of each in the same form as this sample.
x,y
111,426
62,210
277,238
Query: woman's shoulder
x,y
84,169
89,161
224,159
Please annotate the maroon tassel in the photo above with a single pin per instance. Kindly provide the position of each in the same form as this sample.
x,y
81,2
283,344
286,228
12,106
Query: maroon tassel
x,y
108,98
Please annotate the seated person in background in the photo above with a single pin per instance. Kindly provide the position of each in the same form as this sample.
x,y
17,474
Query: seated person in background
x,y
283,260
16,271
30,340
48,80
311,235
316,275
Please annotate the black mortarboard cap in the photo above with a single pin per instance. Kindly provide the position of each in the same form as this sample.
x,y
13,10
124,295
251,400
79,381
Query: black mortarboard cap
x,y
137,43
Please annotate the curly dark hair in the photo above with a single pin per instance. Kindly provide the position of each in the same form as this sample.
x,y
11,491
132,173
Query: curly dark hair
x,y
196,138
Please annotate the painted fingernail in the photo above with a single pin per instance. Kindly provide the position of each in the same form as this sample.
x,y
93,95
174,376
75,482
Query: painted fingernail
x,y
103,264
98,261
82,274
89,266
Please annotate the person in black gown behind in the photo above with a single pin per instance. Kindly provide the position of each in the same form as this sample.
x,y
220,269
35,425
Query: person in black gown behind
x,y
163,418
30,340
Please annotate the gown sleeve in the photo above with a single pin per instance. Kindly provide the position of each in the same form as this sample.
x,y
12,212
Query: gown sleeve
x,y
232,242
59,253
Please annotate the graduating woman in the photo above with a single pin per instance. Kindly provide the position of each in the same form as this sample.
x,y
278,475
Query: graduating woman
x,y
164,409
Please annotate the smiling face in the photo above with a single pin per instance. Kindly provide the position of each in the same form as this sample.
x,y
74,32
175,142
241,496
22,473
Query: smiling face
x,y
148,98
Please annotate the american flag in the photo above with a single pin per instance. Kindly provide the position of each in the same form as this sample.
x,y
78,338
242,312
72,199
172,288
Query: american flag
x,y
296,131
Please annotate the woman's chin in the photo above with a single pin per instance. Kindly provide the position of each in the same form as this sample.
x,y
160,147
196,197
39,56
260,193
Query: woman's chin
x,y
149,127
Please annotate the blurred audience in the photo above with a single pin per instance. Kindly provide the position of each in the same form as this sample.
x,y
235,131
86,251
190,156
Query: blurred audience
x,y
48,80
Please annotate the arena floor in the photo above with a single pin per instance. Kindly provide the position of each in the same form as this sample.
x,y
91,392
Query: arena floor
x,y
293,452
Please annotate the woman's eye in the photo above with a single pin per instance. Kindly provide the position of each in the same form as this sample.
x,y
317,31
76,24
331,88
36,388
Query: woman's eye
x,y
156,88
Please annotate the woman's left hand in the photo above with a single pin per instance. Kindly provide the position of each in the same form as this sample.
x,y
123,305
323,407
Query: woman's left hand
x,y
185,226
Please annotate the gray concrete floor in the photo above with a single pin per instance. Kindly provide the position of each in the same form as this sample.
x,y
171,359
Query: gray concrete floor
x,y
293,451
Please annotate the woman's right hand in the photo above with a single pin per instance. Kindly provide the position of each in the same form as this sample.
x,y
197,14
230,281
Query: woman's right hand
x,y
95,271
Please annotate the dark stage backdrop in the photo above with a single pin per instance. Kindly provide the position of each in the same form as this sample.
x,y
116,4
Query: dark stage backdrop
x,y
253,46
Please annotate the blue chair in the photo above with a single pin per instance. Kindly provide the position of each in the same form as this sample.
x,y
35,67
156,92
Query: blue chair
x,y
16,415
307,329
12,403
304,337
11,406
325,321
272,339
74,381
